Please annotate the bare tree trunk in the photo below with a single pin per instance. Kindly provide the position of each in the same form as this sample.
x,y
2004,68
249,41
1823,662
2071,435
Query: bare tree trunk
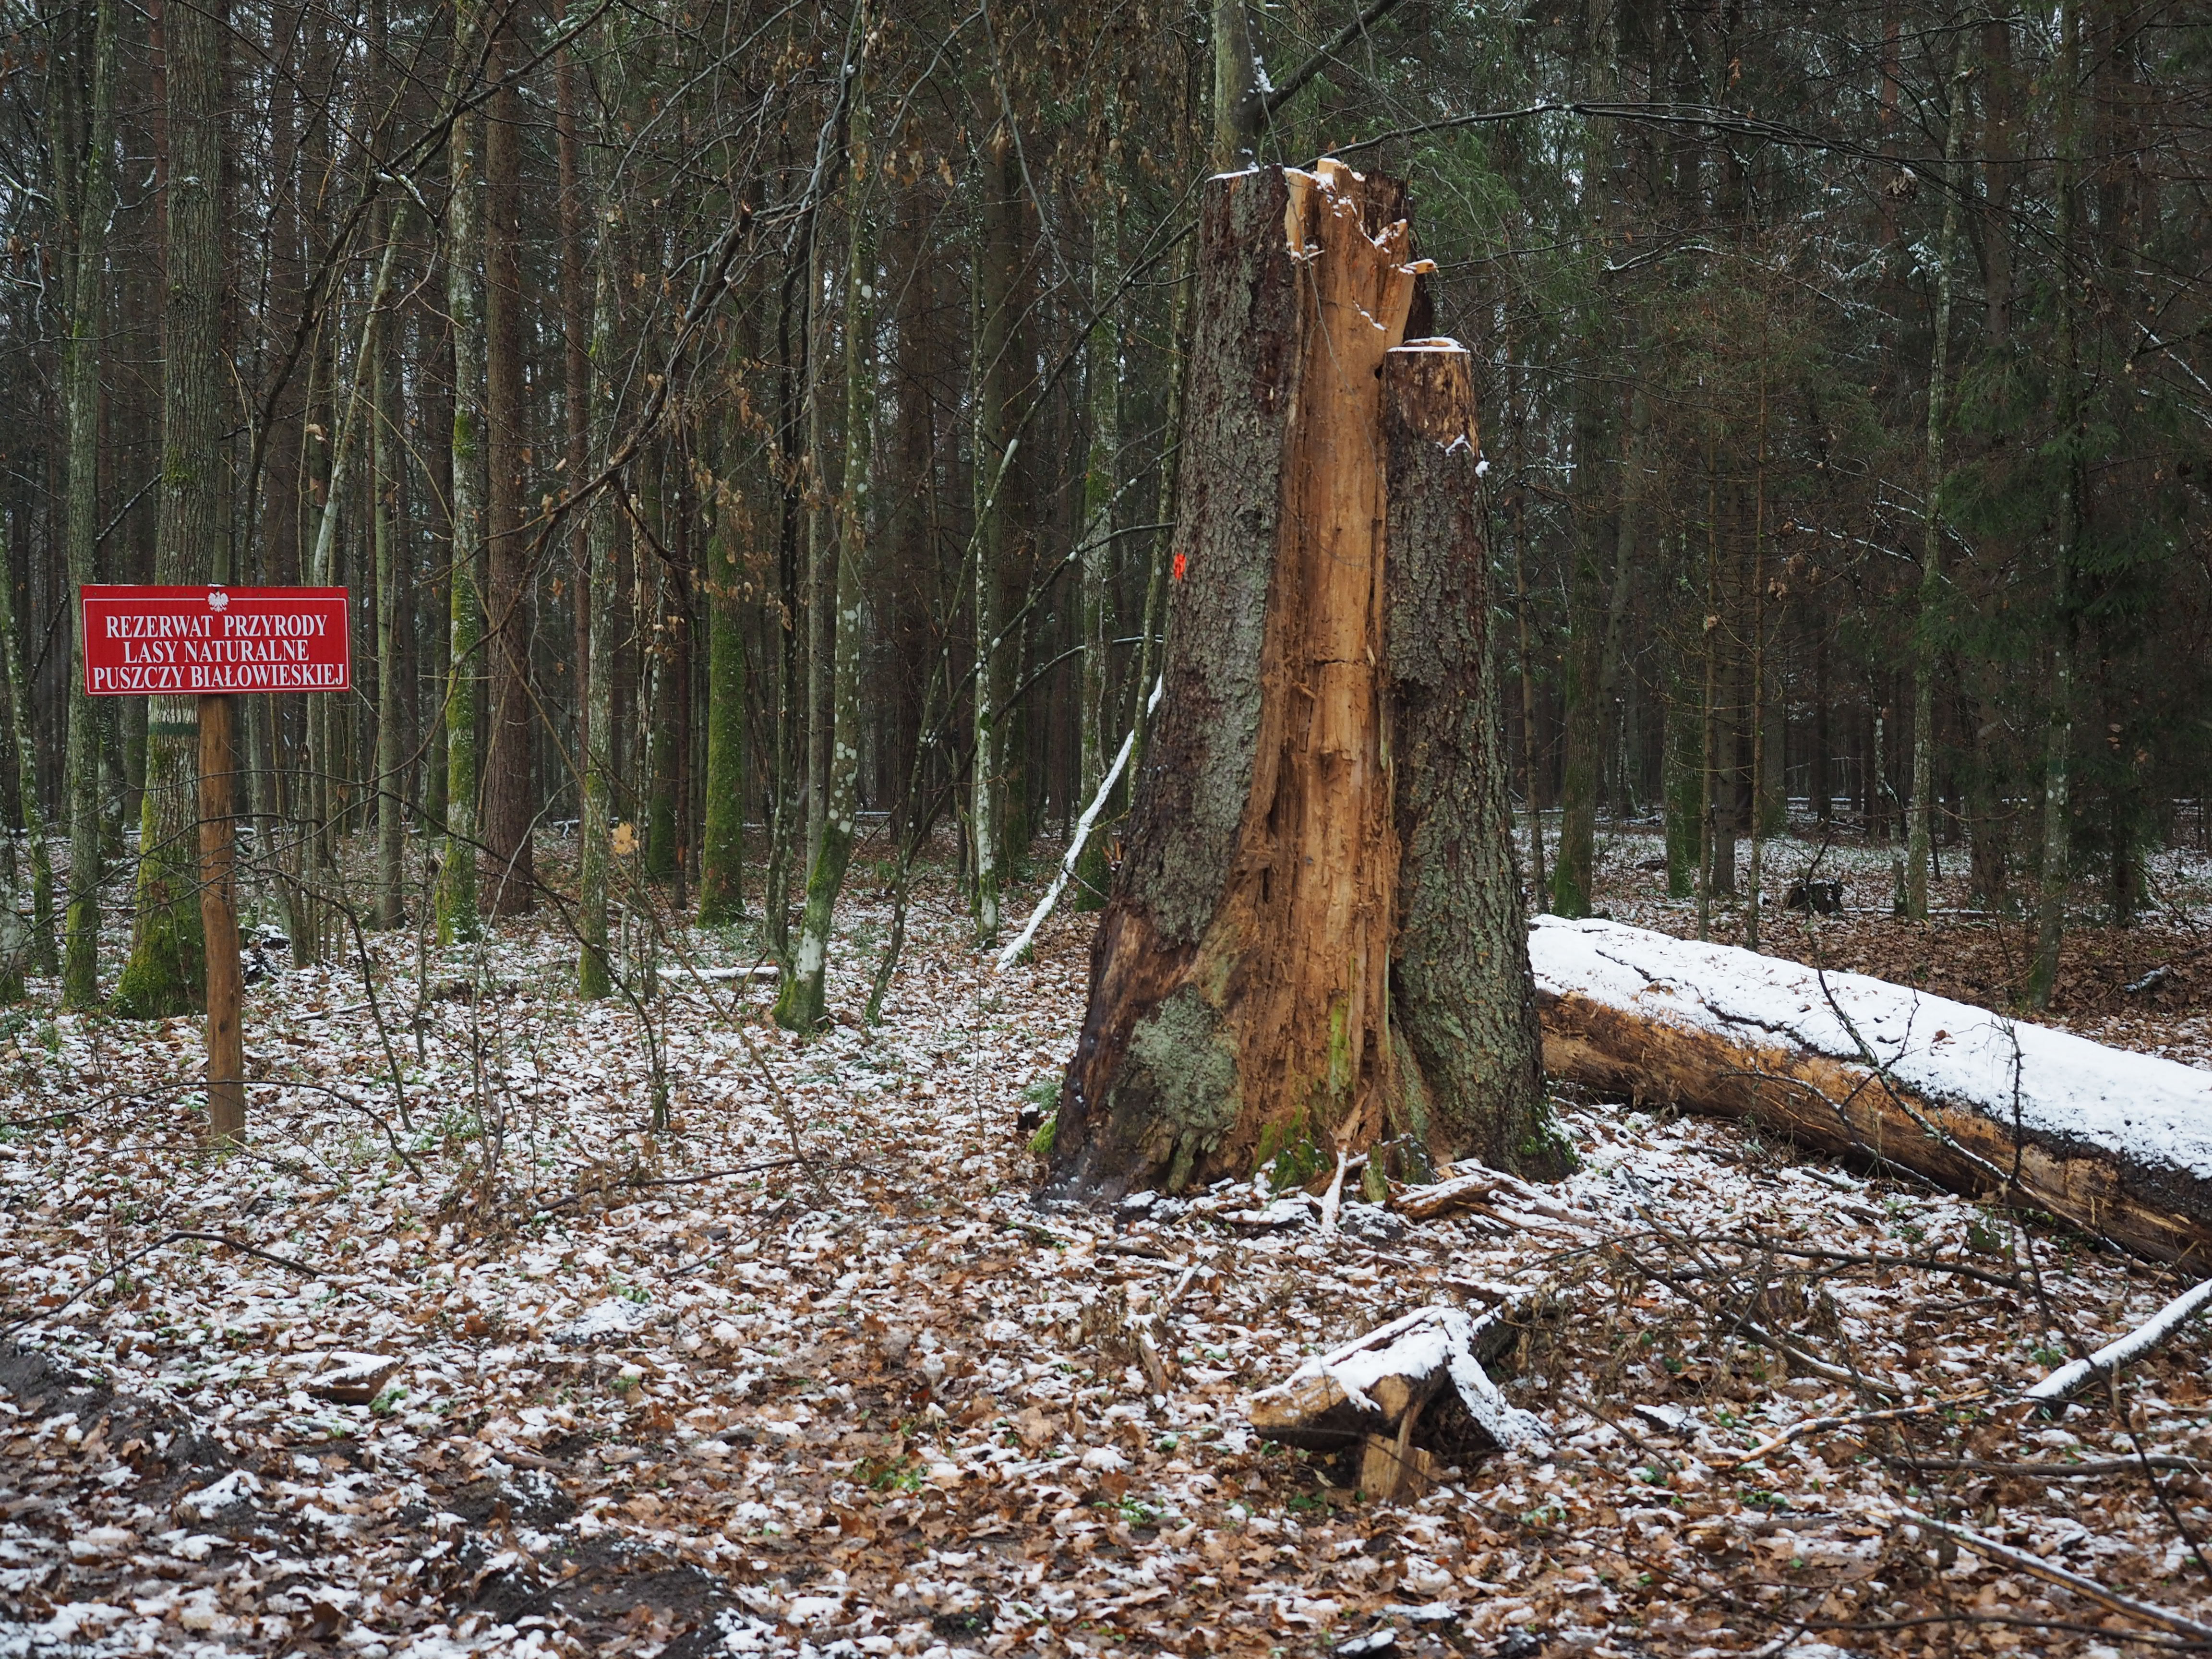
x,y
395,585
1920,849
465,302
92,207
595,831
993,456
1100,489
167,951
2058,739
22,947
821,545
722,842
1239,110
576,376
799,1006
510,779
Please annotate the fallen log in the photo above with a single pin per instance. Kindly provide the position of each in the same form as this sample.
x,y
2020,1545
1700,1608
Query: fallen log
x,y
2119,1145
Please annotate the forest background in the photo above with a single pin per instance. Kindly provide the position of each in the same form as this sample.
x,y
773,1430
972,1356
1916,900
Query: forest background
x,y
734,423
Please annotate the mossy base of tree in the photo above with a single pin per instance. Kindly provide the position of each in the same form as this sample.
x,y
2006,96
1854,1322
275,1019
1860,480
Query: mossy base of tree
x,y
167,973
594,982
1092,876
721,902
81,958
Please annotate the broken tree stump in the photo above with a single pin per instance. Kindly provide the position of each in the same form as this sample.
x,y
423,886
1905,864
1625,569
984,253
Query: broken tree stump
x,y
1411,1395
1314,939
2118,1144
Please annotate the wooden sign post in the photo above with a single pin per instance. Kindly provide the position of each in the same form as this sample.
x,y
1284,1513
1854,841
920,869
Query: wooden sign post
x,y
213,642
226,989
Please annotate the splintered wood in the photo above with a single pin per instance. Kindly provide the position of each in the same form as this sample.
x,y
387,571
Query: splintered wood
x,y
1412,1395
1318,858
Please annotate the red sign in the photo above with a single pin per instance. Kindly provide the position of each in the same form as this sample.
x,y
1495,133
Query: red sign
x,y
145,641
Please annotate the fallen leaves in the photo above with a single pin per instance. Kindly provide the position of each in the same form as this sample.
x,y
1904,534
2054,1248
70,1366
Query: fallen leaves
x,y
809,1369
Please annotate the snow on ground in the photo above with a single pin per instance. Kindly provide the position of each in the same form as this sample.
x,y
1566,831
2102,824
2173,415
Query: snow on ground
x,y
508,1372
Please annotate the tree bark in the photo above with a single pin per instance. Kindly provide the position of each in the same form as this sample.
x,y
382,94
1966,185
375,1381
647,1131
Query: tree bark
x,y
1240,992
2058,732
1100,489
722,844
465,302
1460,995
576,372
993,372
510,759
395,584
21,949
93,206
1239,105
1920,849
594,977
801,1004
165,970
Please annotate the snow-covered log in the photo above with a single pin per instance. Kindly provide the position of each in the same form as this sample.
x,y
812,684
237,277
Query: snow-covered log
x,y
2118,1144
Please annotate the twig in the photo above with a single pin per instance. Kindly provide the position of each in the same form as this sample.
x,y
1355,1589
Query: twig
x,y
1074,855
140,1254
2088,1469
1844,1420
2036,1567
2156,1330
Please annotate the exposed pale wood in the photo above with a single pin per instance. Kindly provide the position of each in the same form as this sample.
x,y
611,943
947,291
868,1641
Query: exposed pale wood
x,y
1416,1381
1477,1188
1396,1471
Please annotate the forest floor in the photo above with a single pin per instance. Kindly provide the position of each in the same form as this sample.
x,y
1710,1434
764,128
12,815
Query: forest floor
x,y
485,1363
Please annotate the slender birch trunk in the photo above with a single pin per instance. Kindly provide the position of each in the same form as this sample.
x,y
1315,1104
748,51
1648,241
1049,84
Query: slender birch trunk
x,y
800,1005
1921,849
94,205
465,302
